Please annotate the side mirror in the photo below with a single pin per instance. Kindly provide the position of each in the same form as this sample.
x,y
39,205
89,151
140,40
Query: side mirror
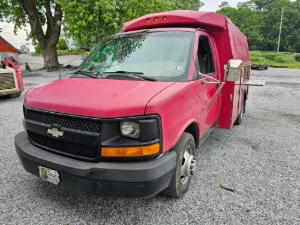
x,y
234,69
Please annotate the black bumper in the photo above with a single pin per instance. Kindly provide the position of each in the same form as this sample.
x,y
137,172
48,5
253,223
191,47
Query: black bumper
x,y
108,179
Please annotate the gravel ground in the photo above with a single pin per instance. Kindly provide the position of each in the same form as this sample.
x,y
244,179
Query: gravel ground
x,y
259,159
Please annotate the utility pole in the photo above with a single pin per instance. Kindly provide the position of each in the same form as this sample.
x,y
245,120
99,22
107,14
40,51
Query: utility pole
x,y
280,30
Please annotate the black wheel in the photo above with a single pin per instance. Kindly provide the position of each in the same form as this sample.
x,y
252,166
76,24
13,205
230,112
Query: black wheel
x,y
16,95
239,119
185,168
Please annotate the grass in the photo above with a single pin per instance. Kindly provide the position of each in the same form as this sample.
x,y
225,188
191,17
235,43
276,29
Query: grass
x,y
275,59
65,52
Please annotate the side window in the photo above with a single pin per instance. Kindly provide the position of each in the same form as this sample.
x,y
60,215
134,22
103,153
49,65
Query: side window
x,y
205,56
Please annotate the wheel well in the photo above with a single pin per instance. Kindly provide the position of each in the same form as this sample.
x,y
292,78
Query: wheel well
x,y
193,130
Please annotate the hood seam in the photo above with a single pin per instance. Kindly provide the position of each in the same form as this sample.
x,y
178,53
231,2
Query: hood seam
x,y
156,95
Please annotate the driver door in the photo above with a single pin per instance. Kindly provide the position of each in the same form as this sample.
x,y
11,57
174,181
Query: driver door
x,y
205,64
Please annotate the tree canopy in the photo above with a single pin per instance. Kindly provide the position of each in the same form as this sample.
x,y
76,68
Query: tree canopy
x,y
62,44
90,21
259,20
24,49
85,20
44,18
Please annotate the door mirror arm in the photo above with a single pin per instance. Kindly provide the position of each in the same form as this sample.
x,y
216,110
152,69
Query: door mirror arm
x,y
214,81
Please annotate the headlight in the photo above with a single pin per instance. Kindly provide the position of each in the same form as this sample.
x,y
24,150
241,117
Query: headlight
x,y
130,129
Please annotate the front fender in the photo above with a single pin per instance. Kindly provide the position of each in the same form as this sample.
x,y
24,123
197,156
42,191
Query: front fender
x,y
178,108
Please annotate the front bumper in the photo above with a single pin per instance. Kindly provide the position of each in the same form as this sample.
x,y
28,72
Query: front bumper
x,y
108,179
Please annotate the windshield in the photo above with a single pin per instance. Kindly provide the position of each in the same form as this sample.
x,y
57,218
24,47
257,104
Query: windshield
x,y
160,55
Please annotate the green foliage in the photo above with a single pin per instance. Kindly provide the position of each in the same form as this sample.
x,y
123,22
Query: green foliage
x,y
71,52
275,59
91,21
259,20
37,49
62,44
24,49
297,58
65,52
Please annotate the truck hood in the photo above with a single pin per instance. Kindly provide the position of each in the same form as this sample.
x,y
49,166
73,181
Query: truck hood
x,y
94,97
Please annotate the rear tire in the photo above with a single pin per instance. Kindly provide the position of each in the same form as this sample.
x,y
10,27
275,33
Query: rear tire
x,y
186,164
16,95
239,119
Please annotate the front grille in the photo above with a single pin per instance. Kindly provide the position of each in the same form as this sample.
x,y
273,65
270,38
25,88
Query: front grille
x,y
65,121
7,81
63,147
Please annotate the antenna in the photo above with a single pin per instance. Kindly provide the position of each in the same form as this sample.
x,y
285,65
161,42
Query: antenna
x,y
59,71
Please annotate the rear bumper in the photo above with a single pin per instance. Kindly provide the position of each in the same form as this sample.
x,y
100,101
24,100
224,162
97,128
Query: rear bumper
x,y
109,179
9,91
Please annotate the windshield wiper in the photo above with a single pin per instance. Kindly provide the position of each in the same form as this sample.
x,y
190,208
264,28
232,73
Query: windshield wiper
x,y
87,74
135,74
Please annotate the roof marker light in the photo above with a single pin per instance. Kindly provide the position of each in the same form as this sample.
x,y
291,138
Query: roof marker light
x,y
148,20
156,19
165,19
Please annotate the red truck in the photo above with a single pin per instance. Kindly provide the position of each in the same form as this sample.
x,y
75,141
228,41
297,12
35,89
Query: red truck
x,y
129,121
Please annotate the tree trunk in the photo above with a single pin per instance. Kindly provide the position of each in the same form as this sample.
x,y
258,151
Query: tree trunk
x,y
50,57
49,39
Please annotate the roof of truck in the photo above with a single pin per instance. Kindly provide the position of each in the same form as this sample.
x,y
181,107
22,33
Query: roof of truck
x,y
177,18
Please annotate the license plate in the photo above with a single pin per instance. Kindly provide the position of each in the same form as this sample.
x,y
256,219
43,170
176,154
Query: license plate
x,y
49,175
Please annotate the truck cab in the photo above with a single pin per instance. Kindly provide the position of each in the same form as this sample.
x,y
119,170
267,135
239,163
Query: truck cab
x,y
129,121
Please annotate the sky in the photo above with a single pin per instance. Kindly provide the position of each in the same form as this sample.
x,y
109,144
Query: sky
x,y
213,5
20,38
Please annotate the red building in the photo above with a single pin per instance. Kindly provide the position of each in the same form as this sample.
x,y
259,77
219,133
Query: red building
x,y
7,49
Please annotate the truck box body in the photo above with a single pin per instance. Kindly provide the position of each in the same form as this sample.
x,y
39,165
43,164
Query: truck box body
x,y
231,43
128,122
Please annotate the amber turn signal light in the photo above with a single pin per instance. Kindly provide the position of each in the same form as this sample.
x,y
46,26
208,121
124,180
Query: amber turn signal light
x,y
130,151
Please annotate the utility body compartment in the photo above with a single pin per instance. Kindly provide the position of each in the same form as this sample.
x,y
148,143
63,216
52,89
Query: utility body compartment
x,y
230,43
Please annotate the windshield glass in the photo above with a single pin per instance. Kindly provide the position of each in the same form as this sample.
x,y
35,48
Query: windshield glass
x,y
162,55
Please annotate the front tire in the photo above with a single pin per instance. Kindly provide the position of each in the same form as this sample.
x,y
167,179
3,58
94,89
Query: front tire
x,y
185,167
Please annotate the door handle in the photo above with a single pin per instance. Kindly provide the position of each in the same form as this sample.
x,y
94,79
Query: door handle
x,y
211,82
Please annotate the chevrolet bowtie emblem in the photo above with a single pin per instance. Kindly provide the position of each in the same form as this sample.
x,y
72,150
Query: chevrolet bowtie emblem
x,y
55,132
